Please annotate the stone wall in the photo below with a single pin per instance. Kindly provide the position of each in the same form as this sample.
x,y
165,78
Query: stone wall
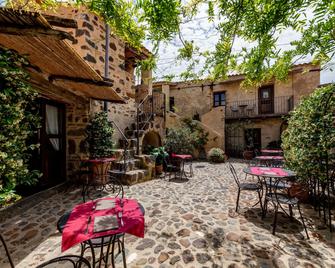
x,y
91,45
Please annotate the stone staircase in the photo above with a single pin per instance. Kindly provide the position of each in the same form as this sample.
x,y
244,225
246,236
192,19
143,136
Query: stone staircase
x,y
135,169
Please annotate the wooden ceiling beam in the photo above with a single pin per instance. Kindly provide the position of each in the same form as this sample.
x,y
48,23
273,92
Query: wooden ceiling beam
x,y
35,31
61,22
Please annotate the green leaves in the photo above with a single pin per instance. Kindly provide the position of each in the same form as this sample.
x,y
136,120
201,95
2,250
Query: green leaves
x,y
18,121
100,136
310,137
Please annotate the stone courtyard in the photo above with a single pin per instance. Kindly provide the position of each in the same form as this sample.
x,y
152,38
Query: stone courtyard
x,y
188,224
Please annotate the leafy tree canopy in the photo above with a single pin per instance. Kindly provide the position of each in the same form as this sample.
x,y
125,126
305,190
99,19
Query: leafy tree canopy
x,y
259,22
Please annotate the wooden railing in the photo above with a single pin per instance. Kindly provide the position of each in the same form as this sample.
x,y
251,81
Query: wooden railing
x,y
259,107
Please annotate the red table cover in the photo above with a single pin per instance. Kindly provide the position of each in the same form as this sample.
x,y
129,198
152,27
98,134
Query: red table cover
x,y
270,157
182,156
74,230
268,171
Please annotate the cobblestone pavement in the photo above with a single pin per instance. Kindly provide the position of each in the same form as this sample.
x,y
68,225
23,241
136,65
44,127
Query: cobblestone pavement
x,y
188,224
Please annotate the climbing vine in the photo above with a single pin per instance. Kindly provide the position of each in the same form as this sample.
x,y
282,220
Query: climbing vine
x,y
18,119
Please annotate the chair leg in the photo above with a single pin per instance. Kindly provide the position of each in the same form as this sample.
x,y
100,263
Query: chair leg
x,y
265,208
260,200
275,220
291,212
238,199
123,253
303,222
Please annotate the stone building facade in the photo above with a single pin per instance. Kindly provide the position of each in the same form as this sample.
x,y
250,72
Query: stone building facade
x,y
230,113
75,78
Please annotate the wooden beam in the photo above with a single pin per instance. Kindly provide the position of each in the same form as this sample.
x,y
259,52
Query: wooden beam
x,y
61,22
81,80
36,31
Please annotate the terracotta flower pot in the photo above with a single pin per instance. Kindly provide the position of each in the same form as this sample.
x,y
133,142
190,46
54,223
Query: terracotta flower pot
x,y
159,169
299,191
248,155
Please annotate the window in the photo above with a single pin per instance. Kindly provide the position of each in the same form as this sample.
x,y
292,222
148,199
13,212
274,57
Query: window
x,y
172,104
219,99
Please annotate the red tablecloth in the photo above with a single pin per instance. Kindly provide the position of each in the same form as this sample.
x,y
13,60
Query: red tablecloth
x,y
182,156
269,157
74,230
268,171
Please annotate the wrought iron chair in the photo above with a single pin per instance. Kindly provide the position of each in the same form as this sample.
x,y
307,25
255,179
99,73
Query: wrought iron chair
x,y
170,167
246,186
116,187
278,197
11,263
67,261
75,261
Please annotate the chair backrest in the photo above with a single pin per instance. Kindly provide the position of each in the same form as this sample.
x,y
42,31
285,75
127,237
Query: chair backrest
x,y
233,172
7,251
67,261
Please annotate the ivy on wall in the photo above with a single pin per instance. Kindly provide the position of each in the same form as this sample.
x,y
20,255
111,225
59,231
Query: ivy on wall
x,y
18,119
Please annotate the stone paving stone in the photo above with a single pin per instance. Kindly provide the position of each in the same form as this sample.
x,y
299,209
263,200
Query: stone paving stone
x,y
188,224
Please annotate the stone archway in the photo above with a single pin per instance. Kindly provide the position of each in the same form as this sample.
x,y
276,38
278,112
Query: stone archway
x,y
151,139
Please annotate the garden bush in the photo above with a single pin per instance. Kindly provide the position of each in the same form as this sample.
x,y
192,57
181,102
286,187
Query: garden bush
x,y
18,122
216,155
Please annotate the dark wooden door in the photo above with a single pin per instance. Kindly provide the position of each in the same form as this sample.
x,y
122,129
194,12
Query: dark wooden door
x,y
266,100
253,138
52,143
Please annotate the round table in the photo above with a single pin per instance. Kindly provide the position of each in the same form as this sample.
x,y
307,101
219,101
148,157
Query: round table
x,y
99,242
183,158
263,173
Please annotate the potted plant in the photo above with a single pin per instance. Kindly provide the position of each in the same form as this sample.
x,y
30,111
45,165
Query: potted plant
x,y
216,155
100,143
160,154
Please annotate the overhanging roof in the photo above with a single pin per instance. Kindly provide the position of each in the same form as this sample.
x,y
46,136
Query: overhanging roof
x,y
29,33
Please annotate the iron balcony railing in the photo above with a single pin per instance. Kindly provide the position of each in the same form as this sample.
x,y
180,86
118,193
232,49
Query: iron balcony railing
x,y
259,107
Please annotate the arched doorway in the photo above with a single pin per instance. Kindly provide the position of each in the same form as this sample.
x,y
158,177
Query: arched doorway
x,y
151,140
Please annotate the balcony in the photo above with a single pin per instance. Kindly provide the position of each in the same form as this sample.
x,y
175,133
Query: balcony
x,y
259,107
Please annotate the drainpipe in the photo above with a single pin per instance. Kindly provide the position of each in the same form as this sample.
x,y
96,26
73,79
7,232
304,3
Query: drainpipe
x,y
106,60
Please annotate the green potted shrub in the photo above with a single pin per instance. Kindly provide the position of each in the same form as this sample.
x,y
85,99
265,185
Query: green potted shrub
x,y
216,155
160,154
100,143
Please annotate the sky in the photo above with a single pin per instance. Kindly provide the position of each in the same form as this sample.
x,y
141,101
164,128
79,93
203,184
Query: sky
x,y
205,36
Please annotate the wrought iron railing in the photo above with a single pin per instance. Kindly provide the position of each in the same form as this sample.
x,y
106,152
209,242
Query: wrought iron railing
x,y
259,107
125,145
151,106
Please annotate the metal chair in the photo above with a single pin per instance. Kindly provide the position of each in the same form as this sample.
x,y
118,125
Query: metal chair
x,y
245,187
7,251
278,197
67,261
170,167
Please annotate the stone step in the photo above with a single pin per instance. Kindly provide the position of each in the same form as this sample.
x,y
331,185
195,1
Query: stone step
x,y
130,177
133,133
118,153
131,143
130,164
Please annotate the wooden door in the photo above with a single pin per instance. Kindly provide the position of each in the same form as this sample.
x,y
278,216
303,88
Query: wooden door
x,y
52,143
266,100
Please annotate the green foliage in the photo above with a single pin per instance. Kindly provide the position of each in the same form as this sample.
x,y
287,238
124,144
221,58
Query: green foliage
x,y
309,140
187,138
216,155
18,120
178,140
198,136
160,154
100,136
257,23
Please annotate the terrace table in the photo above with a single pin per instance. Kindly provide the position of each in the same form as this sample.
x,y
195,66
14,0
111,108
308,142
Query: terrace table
x,y
271,152
183,158
78,226
270,159
264,173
